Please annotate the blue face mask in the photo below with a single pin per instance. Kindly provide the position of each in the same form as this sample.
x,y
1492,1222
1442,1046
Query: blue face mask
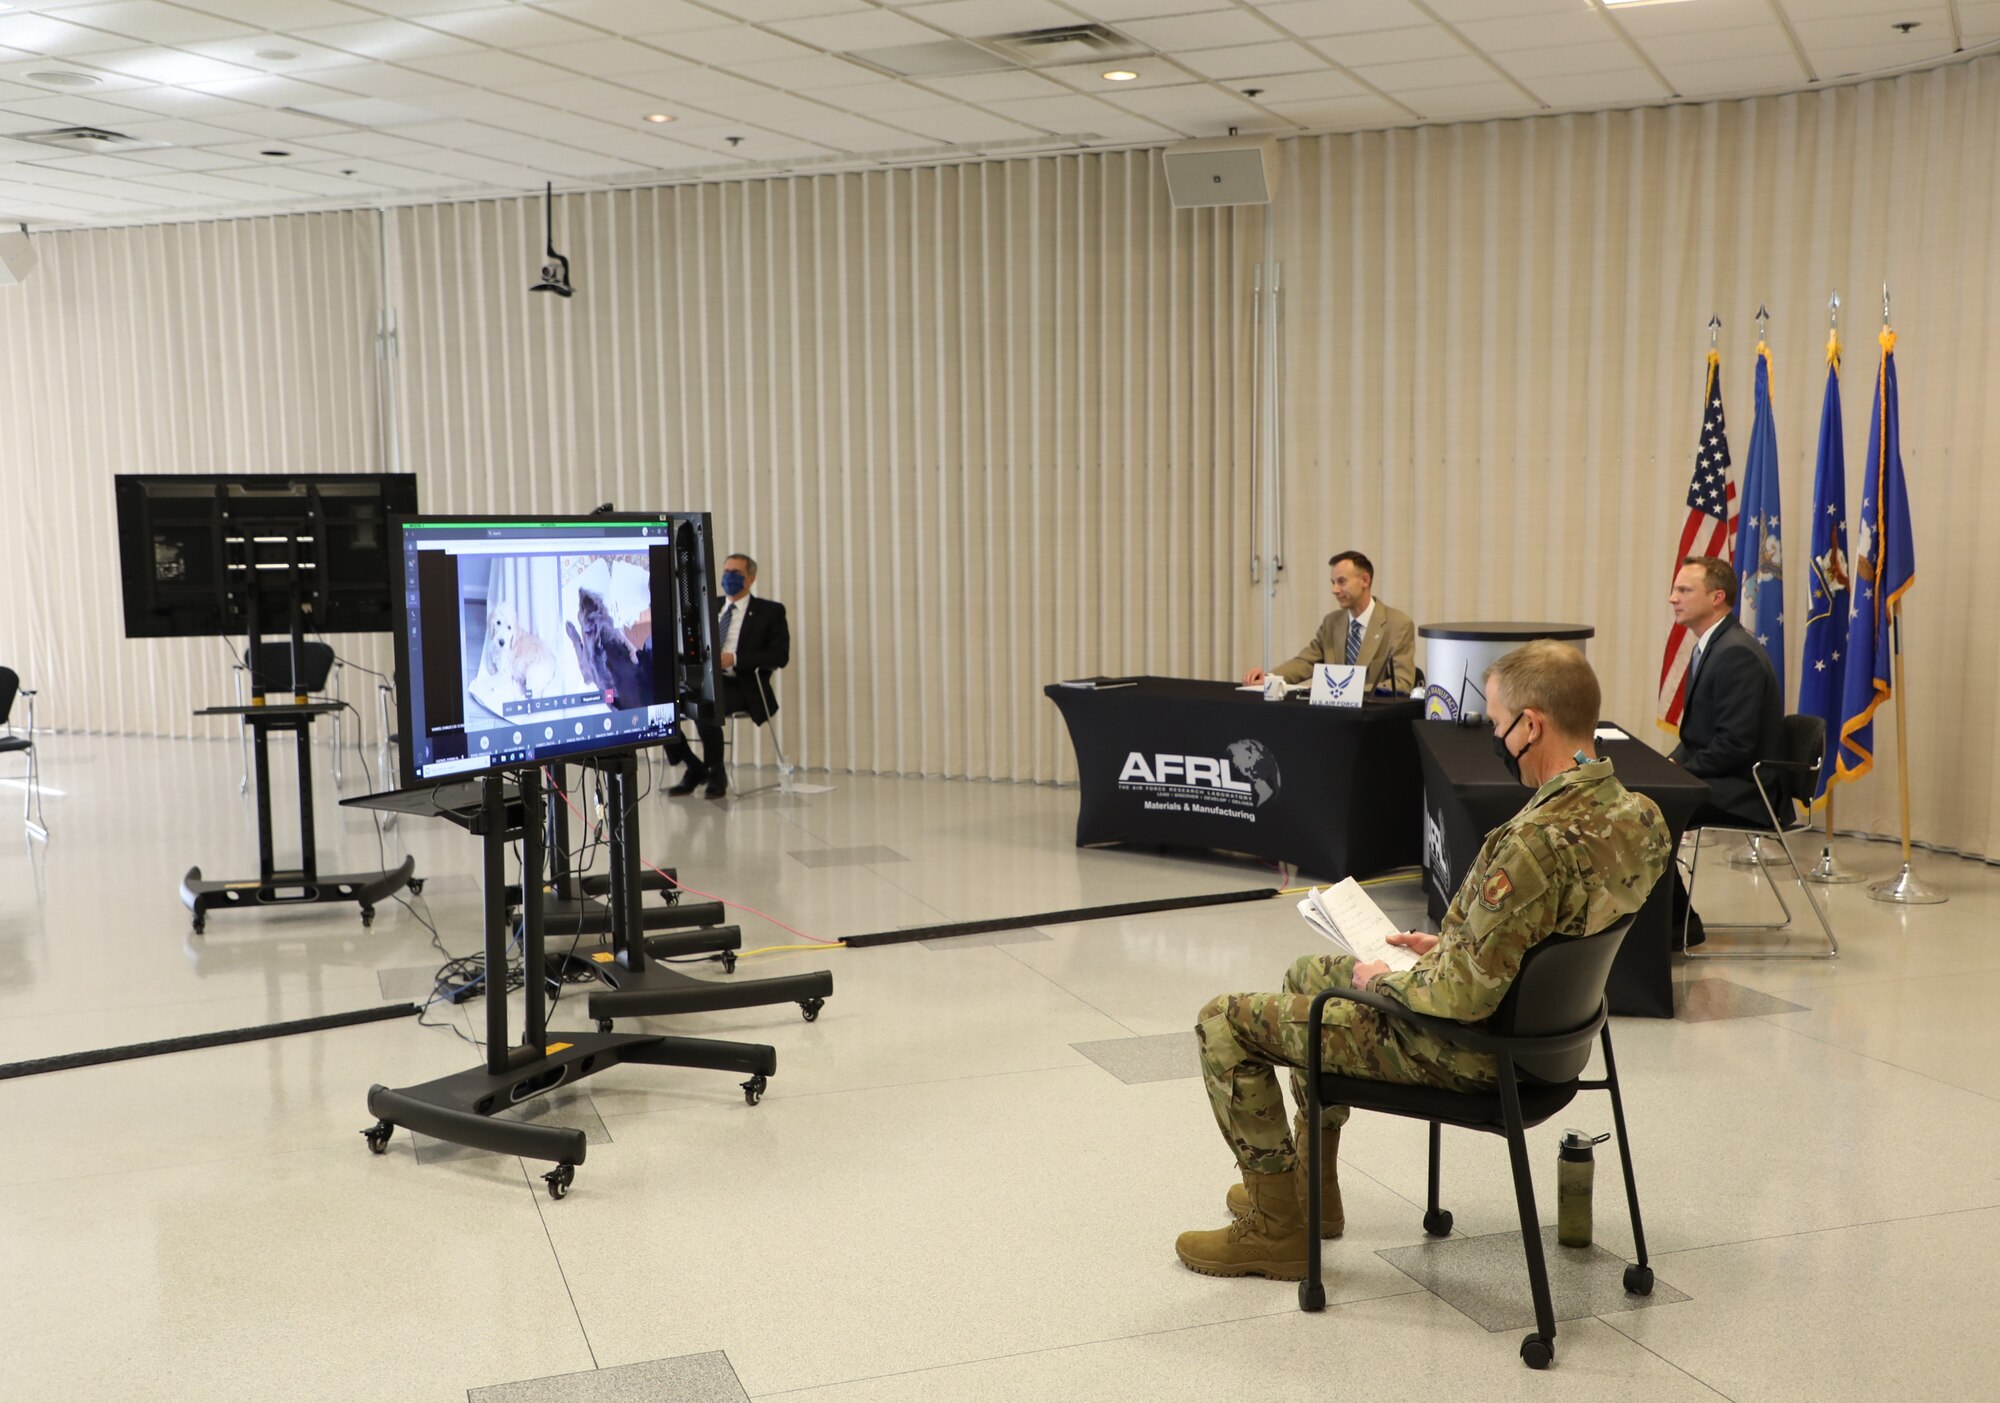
x,y
732,582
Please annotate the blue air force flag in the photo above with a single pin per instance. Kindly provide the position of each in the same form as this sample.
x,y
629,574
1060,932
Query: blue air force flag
x,y
1885,566
1760,552
1823,664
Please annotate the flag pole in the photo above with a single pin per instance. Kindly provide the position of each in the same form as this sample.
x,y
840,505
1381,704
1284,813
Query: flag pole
x,y
1905,888
1829,870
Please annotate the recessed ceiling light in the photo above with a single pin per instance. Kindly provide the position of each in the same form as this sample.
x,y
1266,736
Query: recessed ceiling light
x,y
58,78
276,55
1120,75
658,117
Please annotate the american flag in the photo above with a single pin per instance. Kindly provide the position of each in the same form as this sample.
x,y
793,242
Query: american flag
x,y
1710,530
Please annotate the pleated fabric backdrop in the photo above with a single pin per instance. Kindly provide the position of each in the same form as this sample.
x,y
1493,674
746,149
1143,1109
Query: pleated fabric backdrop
x,y
988,426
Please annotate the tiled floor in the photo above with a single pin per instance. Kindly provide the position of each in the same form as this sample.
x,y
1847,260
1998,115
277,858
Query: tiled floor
x,y
965,1179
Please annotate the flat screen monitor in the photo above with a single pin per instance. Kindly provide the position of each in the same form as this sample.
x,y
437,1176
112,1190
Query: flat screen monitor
x,y
207,554
521,640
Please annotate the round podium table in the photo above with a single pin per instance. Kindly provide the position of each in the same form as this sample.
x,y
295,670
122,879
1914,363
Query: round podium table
x,y
1458,654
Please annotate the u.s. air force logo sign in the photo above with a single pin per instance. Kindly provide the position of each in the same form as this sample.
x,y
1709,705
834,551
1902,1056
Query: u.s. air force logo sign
x,y
1234,784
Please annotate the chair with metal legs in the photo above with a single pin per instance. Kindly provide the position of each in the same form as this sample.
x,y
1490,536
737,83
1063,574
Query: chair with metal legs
x,y
785,766
1783,785
12,744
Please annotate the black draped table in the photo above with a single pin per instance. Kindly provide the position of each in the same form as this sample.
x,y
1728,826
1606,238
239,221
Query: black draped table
x,y
1173,761
1467,794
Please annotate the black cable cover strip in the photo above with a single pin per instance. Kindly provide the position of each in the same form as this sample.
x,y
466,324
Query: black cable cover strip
x,y
92,1058
1057,918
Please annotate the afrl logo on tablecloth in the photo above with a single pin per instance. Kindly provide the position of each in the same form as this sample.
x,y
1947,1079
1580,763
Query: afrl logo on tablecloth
x,y
1437,853
1232,785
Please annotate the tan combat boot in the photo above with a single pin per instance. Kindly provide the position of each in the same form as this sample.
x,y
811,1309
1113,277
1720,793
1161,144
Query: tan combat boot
x,y
1267,1239
1332,1217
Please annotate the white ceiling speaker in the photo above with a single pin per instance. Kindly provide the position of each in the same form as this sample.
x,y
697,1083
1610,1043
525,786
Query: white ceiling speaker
x,y
1222,170
17,258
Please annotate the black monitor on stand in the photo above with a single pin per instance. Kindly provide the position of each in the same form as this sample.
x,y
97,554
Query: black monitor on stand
x,y
208,555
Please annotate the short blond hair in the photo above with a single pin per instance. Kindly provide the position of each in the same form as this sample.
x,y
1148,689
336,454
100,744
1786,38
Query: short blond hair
x,y
1553,678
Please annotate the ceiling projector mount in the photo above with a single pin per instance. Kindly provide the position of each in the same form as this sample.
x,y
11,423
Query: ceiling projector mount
x,y
555,272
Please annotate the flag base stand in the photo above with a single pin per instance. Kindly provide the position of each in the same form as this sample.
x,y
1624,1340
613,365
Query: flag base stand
x,y
1751,854
1906,889
1829,871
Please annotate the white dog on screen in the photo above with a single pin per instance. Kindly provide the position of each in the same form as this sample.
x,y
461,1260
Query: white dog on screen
x,y
516,653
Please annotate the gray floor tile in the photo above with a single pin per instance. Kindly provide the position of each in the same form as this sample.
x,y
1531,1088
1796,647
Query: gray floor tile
x,y
1703,1000
847,857
1160,1057
572,1109
692,1378
1023,936
1486,1279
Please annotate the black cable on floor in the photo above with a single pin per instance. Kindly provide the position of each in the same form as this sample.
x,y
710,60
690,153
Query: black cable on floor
x,y
130,1051
1057,918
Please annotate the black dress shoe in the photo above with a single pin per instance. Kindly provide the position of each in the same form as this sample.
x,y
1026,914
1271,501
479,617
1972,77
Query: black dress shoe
x,y
688,782
717,787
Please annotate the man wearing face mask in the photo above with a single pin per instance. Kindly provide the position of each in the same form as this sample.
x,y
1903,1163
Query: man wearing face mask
x,y
1363,631
1582,854
754,641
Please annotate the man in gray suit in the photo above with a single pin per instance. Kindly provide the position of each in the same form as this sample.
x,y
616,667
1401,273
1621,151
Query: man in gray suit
x,y
1363,630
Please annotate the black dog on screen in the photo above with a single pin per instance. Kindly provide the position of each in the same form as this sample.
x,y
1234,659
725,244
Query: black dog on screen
x,y
609,661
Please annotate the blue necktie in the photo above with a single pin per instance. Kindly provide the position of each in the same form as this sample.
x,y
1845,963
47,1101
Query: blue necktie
x,y
1353,642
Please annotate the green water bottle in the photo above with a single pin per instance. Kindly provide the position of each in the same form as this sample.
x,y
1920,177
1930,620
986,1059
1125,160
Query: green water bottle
x,y
1576,1165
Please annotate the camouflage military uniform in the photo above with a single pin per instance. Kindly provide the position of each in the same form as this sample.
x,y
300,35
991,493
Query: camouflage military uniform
x,y
1583,853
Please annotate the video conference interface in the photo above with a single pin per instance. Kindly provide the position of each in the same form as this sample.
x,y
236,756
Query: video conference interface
x,y
534,641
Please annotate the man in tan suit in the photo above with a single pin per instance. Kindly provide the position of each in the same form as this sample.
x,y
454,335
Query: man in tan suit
x,y
1363,630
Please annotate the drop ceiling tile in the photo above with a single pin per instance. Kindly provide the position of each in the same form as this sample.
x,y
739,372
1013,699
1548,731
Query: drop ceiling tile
x,y
187,159
1833,9
305,57
1074,113
1308,87
1252,60
260,121
959,125
482,170
289,16
731,46
696,85
153,22
764,11
1872,58
1120,12
1860,31
1199,99
1011,83
1611,89
1312,19
456,134
1430,73
22,72
1708,45
510,27
1578,26
804,75
271,91
48,34
1465,11
980,18
180,102
1220,29
479,106
389,82
169,66
1691,16
643,17
1980,22
1392,46
877,97
869,29
251,153
203,183
586,95
382,173
1089,77
1566,60
489,69
1469,100
377,144
1342,113
1121,127
390,40
97,165
77,111
312,182
609,58
1734,75
180,134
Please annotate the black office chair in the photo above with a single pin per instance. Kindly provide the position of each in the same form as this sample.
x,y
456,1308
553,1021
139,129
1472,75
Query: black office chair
x,y
1786,787
785,767
11,744
1541,1036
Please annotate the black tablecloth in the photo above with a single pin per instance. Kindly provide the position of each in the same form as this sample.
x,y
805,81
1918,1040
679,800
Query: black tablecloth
x,y
1467,795
1202,764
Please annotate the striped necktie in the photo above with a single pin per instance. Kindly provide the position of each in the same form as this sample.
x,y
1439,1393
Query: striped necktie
x,y
1353,641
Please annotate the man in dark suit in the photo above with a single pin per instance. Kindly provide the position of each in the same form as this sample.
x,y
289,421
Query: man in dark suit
x,y
1733,716
754,641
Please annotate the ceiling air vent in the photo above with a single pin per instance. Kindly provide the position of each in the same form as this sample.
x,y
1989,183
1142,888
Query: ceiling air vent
x,y
93,140
939,59
1068,43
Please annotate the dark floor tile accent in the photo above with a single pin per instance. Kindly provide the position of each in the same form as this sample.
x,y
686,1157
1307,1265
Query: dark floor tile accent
x,y
1161,1057
690,1378
1486,1279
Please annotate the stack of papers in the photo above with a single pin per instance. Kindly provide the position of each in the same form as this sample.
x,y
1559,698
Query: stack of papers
x,y
1349,917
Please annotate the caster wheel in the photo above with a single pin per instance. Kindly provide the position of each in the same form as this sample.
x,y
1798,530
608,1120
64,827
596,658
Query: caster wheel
x,y
1438,1224
1312,1295
559,1179
416,886
367,917
809,1009
1536,1352
377,1136
604,1025
753,1090
200,924
1639,1280
728,961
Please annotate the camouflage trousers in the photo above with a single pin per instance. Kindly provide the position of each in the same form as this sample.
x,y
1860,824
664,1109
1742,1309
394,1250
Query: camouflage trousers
x,y
1245,1038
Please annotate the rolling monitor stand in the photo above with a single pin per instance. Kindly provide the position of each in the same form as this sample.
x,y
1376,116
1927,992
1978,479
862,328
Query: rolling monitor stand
x,y
459,1108
633,983
303,885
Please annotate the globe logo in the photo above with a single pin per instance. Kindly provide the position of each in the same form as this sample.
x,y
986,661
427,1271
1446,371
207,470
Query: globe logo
x,y
1252,761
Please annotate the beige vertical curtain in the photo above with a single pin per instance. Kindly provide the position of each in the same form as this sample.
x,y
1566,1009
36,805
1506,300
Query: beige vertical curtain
x,y
1498,333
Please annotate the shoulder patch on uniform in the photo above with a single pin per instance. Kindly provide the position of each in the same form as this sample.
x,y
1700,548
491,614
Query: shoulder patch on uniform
x,y
1498,887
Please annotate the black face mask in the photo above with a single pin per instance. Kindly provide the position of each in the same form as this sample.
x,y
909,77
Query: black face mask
x,y
1508,757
